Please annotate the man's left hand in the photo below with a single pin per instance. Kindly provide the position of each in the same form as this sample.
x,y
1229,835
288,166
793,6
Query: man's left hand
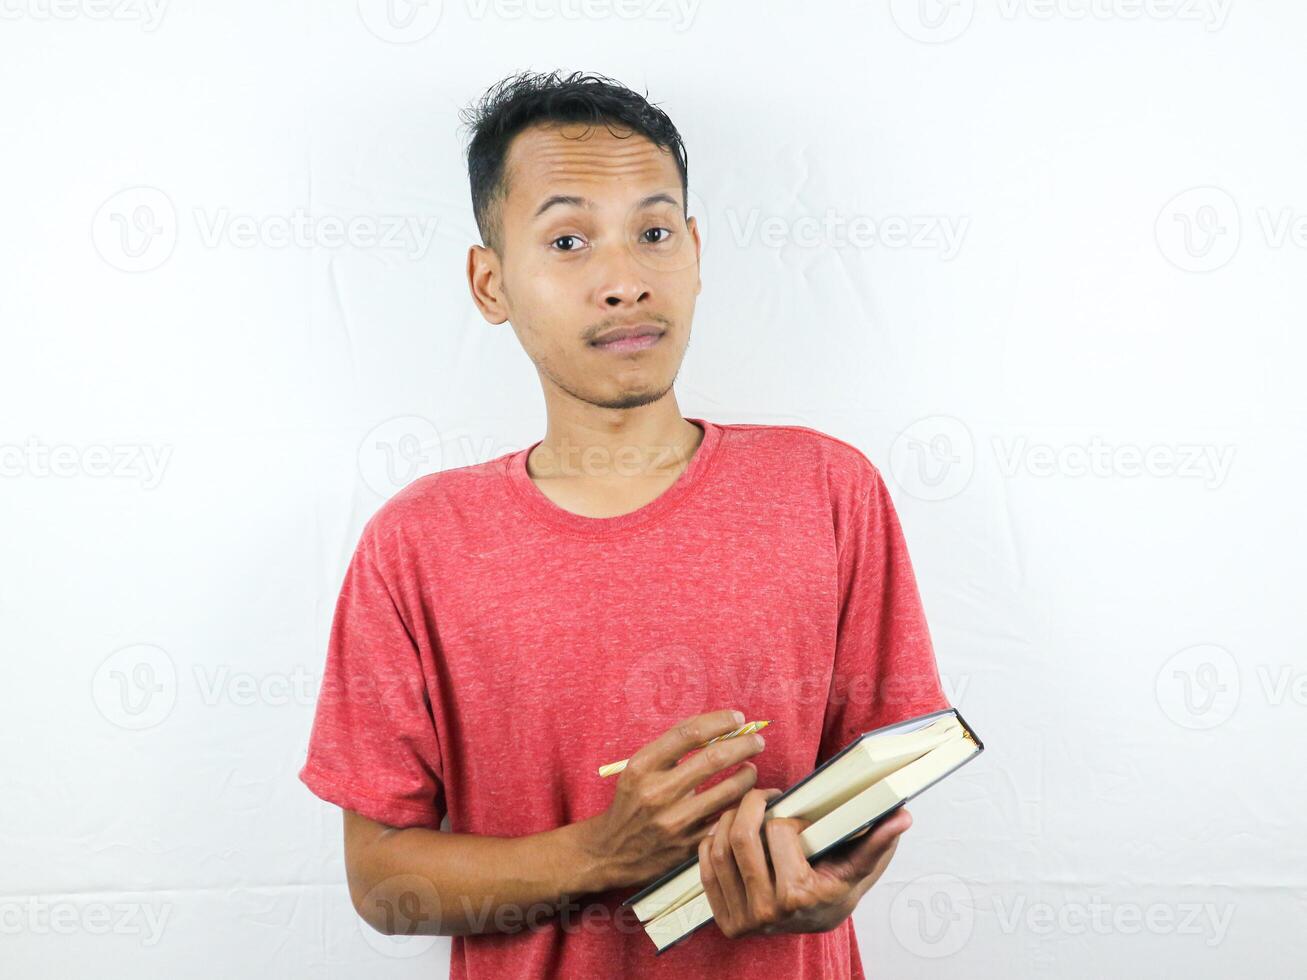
x,y
751,895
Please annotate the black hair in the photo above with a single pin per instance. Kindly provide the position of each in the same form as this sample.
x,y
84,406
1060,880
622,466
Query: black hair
x,y
519,101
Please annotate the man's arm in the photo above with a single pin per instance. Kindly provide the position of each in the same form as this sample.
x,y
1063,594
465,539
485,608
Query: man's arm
x,y
419,881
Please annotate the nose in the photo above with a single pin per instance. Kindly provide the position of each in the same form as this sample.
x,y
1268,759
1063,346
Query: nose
x,y
624,282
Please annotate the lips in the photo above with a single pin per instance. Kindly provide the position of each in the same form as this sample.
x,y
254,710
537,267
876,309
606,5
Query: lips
x,y
628,345
646,330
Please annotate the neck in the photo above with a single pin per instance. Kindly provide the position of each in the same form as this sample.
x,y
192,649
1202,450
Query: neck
x,y
608,445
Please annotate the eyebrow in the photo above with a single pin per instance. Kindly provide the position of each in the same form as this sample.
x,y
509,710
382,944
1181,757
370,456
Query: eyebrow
x,y
583,202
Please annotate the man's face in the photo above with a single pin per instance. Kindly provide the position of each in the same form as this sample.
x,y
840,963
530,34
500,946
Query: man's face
x,y
616,254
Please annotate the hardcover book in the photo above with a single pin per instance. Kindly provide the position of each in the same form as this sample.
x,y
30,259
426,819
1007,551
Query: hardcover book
x,y
844,797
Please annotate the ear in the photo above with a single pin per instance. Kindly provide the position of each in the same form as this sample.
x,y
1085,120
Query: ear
x,y
485,280
698,252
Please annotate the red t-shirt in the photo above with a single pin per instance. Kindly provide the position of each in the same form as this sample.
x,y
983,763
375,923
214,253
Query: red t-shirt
x,y
490,650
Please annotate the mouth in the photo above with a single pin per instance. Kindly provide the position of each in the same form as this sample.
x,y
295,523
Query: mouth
x,y
628,340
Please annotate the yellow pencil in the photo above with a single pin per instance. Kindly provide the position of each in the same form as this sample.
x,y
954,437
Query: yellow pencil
x,y
748,728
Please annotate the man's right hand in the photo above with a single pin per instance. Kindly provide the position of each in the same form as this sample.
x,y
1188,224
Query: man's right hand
x,y
656,819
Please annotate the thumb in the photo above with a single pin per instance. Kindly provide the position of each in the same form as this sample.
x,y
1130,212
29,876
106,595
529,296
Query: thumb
x,y
872,852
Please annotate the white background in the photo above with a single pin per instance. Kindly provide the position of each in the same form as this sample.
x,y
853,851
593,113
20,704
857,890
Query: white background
x,y
1080,374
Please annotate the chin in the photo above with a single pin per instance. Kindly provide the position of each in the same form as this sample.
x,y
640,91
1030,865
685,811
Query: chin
x,y
633,397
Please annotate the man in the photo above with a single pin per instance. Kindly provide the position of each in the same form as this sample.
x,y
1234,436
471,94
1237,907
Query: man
x,y
631,585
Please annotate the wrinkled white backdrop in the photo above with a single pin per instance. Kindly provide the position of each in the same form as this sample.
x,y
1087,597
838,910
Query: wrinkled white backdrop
x,y
1041,261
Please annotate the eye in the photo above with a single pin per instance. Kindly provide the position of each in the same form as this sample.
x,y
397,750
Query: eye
x,y
667,233
566,238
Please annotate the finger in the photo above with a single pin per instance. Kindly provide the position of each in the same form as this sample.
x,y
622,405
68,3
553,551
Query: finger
x,y
667,748
879,845
881,862
711,888
712,759
879,865
710,823
750,859
696,807
866,862
708,828
786,851
895,824
724,870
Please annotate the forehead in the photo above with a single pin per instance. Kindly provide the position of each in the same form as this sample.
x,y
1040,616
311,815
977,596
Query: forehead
x,y
586,160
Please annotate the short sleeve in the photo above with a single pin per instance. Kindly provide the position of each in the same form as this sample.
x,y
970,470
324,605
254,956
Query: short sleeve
x,y
374,747
885,668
